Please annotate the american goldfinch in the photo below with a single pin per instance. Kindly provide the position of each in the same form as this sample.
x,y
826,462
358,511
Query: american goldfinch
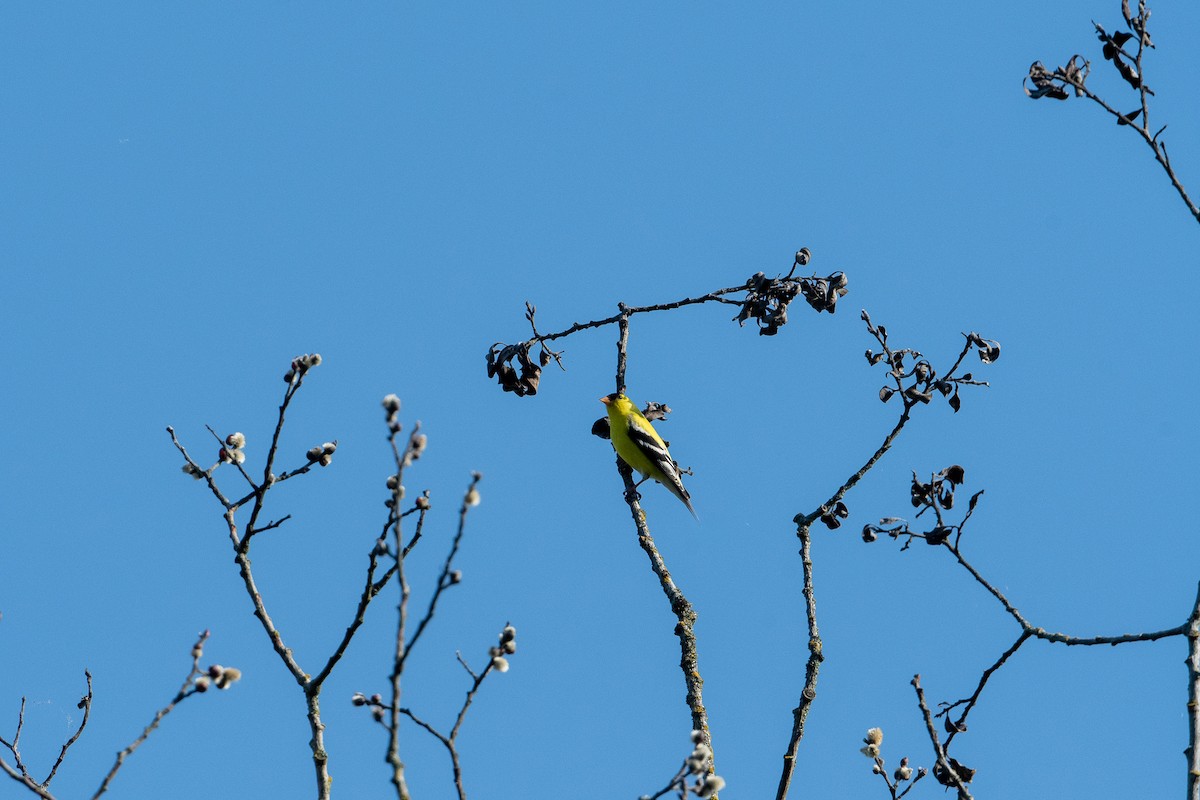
x,y
640,446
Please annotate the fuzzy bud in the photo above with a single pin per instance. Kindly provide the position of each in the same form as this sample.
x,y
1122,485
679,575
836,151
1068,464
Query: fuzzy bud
x,y
710,786
230,676
235,440
472,498
305,362
500,663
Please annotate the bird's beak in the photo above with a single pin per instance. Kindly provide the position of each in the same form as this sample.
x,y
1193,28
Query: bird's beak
x,y
605,400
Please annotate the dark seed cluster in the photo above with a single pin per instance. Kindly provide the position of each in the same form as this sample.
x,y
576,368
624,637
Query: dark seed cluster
x,y
767,299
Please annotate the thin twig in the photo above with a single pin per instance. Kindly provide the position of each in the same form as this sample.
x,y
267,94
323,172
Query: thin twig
x,y
450,742
974,698
805,520
627,311
86,704
1159,148
1143,127
195,469
943,762
458,722
19,772
186,690
371,588
444,581
1050,636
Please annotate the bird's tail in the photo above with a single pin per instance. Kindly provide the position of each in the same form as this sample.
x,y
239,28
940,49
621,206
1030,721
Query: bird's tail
x,y
683,495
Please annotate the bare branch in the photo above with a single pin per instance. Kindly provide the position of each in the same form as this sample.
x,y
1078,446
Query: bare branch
x,y
497,662
444,579
815,657
685,615
944,770
1050,636
969,702
765,301
1193,701
371,588
86,704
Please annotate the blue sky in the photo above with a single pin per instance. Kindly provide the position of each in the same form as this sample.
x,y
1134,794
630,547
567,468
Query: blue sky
x,y
195,195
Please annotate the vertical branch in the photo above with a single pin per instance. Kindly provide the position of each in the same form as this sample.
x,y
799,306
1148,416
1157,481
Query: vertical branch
x,y
411,451
815,657
685,615
622,346
320,757
241,539
401,652
1193,704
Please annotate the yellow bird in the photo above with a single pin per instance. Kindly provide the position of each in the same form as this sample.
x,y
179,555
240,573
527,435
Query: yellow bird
x,y
640,446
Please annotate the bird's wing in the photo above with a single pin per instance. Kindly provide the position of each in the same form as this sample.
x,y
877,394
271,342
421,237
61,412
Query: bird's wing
x,y
651,445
